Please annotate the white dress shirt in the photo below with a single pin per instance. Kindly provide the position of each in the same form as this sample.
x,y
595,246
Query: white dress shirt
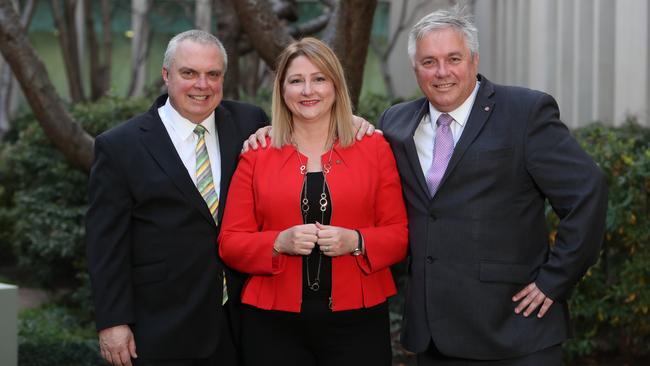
x,y
181,132
425,133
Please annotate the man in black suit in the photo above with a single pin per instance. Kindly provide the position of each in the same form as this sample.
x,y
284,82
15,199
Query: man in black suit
x,y
477,161
151,238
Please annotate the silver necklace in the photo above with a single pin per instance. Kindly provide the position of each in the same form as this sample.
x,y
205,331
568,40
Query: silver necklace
x,y
304,208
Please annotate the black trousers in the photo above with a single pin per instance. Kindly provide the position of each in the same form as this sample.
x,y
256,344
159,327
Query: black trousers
x,y
551,356
316,336
224,355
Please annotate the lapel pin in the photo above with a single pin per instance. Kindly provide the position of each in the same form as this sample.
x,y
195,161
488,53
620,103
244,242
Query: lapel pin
x,y
487,108
338,161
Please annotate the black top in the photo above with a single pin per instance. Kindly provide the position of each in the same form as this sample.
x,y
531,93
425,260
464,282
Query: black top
x,y
314,182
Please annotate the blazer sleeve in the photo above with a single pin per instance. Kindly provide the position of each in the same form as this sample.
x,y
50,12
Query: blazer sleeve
x,y
386,242
108,243
242,244
577,191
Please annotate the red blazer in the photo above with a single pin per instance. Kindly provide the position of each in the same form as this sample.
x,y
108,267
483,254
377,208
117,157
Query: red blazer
x,y
264,199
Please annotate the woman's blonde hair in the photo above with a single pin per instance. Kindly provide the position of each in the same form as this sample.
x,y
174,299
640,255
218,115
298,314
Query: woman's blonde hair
x,y
326,61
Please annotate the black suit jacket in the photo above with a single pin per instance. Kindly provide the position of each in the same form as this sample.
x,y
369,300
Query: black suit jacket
x,y
484,235
151,241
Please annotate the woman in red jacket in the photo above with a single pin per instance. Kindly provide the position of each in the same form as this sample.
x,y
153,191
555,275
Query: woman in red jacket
x,y
316,221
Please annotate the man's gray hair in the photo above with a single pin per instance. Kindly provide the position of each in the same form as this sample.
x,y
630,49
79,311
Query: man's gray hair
x,y
194,35
457,17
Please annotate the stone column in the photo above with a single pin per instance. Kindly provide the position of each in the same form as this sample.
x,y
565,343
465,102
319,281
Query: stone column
x,y
8,325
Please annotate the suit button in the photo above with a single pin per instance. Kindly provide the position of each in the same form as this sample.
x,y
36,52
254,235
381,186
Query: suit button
x,y
429,259
433,217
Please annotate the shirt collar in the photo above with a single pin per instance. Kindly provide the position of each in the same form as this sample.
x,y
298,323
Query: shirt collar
x,y
460,114
182,126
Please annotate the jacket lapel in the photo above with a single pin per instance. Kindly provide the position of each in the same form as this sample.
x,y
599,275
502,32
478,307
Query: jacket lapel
x,y
156,140
481,111
229,148
409,144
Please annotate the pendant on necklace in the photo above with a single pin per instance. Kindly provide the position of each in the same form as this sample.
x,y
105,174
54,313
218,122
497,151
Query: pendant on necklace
x,y
314,286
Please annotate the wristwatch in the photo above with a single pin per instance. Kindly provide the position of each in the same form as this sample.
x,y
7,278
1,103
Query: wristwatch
x,y
359,249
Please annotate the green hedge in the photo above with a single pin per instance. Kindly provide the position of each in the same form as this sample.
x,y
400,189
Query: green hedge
x,y
52,335
611,305
43,201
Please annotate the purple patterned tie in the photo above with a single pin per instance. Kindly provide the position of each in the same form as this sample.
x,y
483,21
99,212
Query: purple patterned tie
x,y
443,146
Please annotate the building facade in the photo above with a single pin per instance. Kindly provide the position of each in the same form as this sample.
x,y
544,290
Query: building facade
x,y
591,55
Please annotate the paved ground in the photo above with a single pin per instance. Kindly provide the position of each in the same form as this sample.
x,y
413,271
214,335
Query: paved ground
x,y
30,298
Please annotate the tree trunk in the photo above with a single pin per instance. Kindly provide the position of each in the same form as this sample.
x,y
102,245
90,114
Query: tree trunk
x,y
64,22
139,45
100,67
8,90
268,35
229,33
349,38
59,126
203,15
384,68
80,15
383,52
251,82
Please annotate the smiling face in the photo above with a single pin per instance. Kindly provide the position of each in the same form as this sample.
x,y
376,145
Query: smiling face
x,y
307,91
195,80
445,69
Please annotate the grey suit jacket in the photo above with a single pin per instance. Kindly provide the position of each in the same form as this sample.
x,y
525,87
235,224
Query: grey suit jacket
x,y
484,236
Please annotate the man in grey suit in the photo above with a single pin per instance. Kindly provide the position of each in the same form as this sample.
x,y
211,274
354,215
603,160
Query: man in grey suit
x,y
478,161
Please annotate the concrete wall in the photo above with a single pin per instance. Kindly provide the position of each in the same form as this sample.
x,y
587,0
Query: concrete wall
x,y
593,56
8,325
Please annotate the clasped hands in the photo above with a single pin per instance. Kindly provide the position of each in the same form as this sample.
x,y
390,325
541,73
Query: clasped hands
x,y
301,239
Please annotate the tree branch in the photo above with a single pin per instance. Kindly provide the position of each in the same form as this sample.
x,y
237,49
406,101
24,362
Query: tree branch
x,y
64,22
311,27
265,31
8,91
140,45
59,126
285,9
348,33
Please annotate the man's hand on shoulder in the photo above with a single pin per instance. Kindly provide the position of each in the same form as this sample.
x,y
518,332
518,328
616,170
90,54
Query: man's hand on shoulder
x,y
117,345
257,139
364,128
531,298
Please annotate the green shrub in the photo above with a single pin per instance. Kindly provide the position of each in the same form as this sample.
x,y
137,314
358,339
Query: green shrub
x,y
52,335
43,199
371,106
611,304
261,99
